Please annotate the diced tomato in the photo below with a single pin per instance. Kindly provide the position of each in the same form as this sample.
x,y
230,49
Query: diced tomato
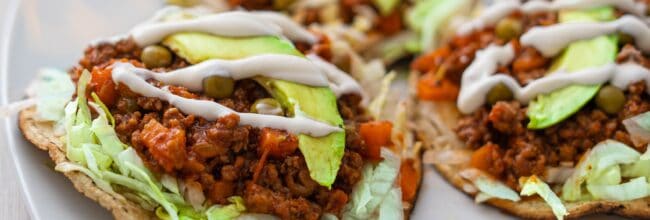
x,y
485,157
278,143
102,84
409,179
432,88
167,146
375,134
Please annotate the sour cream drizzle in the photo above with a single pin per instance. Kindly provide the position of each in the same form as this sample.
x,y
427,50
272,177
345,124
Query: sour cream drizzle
x,y
340,82
480,77
229,24
551,40
504,8
273,66
125,73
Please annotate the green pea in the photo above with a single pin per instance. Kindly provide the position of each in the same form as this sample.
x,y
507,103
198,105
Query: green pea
x,y
218,87
499,92
155,56
267,106
509,28
610,99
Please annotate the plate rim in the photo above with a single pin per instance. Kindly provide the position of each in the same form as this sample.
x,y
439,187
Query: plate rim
x,y
11,13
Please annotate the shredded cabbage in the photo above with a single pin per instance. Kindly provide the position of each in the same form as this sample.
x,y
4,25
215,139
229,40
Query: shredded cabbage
x,y
638,168
639,128
95,150
490,189
375,190
428,16
593,166
227,212
533,185
634,189
54,90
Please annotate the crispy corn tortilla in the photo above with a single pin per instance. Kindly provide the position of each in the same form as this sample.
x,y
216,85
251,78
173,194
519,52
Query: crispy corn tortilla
x,y
434,123
42,135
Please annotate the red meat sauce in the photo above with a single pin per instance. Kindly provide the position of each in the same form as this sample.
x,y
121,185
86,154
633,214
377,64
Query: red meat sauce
x,y
505,148
221,157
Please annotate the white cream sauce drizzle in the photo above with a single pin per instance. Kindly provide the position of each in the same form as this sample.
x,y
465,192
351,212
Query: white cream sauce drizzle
x,y
502,9
340,82
229,24
276,66
551,40
210,110
480,77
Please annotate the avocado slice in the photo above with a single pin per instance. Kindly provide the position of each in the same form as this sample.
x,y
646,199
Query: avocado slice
x,y
552,108
322,154
197,47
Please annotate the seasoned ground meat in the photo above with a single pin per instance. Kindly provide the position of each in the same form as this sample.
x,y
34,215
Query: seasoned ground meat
x,y
528,152
221,157
499,132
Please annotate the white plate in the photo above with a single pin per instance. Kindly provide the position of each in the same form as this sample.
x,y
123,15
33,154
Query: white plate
x,y
53,33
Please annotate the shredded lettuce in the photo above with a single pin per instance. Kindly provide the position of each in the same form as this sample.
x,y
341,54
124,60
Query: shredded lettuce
x,y
490,189
634,189
638,168
375,190
639,128
95,150
227,212
533,185
428,16
594,167
54,90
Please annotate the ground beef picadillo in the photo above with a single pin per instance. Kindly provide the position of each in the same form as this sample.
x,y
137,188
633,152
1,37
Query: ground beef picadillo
x,y
220,156
512,150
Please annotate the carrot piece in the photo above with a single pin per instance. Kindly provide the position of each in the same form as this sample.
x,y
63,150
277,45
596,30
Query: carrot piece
x,y
484,159
278,143
434,88
166,145
408,179
430,62
375,134
274,143
102,84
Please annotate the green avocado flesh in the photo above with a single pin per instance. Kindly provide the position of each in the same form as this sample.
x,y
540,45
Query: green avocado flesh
x,y
198,47
552,108
322,154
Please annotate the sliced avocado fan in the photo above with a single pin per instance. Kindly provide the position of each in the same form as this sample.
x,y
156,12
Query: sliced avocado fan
x,y
323,154
552,108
